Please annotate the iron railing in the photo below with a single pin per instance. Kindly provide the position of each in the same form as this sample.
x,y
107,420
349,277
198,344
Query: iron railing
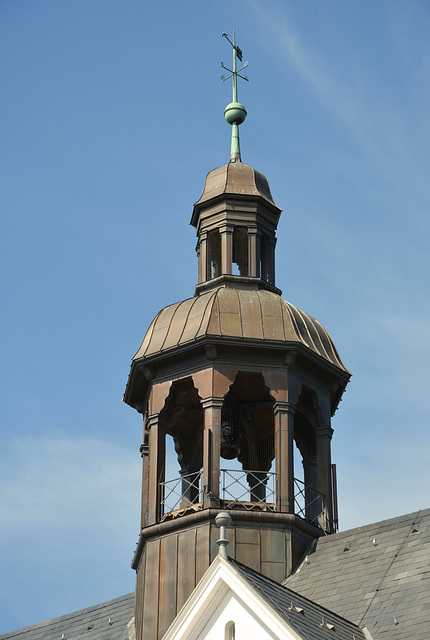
x,y
309,503
181,495
248,490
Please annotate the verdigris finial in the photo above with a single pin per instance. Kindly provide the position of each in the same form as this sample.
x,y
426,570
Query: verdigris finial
x,y
234,113
222,520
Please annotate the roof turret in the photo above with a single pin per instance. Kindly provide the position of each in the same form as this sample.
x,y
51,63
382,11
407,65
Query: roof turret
x,y
234,179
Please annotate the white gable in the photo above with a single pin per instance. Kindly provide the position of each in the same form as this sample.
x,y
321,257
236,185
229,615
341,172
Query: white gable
x,y
223,599
233,612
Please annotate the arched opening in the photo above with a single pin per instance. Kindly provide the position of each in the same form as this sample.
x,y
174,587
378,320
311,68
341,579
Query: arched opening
x,y
213,268
240,251
247,441
309,501
267,258
182,423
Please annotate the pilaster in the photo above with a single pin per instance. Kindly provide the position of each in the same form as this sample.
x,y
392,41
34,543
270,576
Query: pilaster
x,y
226,232
271,244
284,433
324,435
156,467
211,450
254,236
202,253
144,452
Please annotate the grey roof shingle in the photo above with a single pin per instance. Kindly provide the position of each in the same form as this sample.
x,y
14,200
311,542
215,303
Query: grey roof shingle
x,y
112,620
377,575
310,620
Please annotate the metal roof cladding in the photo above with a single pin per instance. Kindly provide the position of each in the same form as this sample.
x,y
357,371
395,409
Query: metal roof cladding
x,y
256,315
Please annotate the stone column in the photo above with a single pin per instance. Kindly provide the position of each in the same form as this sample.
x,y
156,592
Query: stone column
x,y
253,252
211,451
226,231
311,483
156,467
284,432
144,452
202,252
324,435
271,244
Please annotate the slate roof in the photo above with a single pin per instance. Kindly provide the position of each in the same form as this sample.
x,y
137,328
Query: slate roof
x,y
310,620
377,575
112,620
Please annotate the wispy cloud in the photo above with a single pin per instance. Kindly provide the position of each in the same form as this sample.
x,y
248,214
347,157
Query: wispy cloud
x,y
388,129
311,65
70,520
56,483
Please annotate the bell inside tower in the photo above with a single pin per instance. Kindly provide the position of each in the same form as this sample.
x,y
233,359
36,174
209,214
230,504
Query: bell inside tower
x,y
247,431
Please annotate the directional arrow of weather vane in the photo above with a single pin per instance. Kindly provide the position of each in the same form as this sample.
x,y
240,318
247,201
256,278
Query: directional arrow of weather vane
x,y
237,54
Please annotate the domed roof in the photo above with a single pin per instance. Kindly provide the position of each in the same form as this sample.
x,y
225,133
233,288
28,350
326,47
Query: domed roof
x,y
234,178
228,312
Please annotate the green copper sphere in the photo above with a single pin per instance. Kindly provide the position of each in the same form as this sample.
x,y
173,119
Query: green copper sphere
x,y
235,113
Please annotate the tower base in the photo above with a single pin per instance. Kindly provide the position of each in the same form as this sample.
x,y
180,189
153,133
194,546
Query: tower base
x,y
172,557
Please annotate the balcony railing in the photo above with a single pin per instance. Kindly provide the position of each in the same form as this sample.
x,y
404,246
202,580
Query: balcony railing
x,y
181,495
309,503
250,490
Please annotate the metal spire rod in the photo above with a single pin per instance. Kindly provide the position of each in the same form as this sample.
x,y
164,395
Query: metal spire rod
x,y
235,113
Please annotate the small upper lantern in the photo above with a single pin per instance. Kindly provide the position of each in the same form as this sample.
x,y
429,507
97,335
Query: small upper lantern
x,y
236,220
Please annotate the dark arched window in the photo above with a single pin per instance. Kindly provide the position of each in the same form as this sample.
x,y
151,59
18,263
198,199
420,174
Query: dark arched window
x,y
230,630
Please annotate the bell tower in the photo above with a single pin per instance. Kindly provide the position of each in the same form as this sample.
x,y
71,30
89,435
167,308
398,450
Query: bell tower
x,y
235,378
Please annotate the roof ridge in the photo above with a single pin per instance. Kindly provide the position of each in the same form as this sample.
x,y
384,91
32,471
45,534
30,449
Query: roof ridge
x,y
389,565
209,301
190,308
372,525
283,587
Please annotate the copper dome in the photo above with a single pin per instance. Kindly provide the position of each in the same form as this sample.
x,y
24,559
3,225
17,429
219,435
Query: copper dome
x,y
255,315
237,179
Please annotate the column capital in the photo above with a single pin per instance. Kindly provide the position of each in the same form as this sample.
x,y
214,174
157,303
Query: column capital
x,y
325,431
254,231
226,228
284,407
212,402
151,421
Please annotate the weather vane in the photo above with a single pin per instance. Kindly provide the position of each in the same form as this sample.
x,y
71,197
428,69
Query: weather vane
x,y
234,113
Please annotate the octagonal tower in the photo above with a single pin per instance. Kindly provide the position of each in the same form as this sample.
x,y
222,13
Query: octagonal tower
x,y
235,377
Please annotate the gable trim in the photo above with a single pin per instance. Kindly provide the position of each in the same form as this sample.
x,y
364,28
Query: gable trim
x,y
220,579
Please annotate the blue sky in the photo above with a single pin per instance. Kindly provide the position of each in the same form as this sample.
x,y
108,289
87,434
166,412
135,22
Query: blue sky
x,y
111,116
